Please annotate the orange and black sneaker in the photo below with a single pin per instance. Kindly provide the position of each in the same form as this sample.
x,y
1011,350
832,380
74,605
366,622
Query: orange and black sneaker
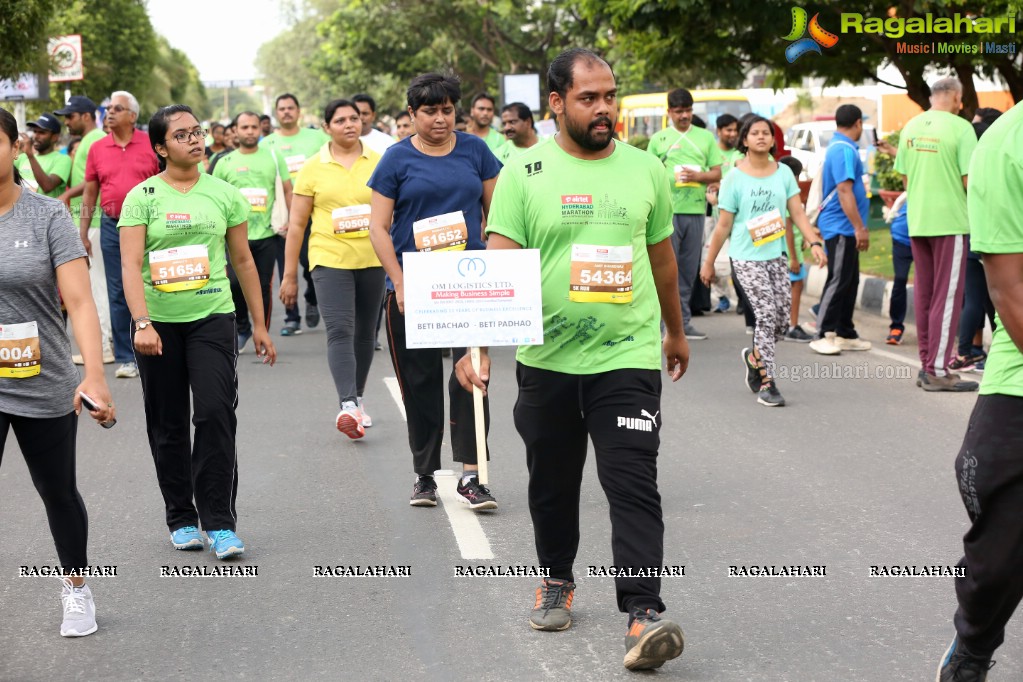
x,y
651,640
552,610
894,337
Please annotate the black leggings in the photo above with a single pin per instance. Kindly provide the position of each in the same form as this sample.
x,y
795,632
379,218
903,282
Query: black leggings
x,y
49,449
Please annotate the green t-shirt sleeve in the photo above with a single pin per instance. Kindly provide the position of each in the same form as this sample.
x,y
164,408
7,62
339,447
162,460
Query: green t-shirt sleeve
x,y
221,172
237,207
305,183
659,226
135,210
967,143
654,146
62,167
900,157
507,215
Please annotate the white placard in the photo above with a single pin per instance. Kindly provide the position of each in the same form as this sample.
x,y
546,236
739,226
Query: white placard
x,y
66,58
25,87
473,298
523,88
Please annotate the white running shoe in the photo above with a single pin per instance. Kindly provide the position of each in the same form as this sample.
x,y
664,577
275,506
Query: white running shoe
x,y
79,610
852,344
128,370
367,421
826,345
349,420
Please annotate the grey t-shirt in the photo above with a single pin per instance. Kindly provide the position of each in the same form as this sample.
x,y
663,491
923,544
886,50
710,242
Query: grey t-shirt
x,y
36,236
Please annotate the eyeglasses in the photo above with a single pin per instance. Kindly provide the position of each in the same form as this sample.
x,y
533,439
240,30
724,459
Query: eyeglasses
x,y
184,138
117,108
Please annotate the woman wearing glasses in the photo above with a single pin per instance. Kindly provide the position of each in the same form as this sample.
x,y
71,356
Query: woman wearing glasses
x,y
174,228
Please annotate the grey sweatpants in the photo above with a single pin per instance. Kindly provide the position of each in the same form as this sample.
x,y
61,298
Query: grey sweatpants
x,y
687,240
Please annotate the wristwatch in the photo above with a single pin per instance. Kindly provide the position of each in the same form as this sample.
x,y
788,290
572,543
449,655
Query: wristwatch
x,y
142,323
813,244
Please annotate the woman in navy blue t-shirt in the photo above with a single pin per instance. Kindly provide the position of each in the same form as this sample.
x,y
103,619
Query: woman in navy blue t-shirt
x,y
431,192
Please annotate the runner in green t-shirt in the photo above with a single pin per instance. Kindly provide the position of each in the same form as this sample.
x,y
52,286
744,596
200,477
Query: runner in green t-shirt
x,y
988,465
254,171
599,212
692,160
517,123
44,169
481,118
80,117
934,159
296,145
175,229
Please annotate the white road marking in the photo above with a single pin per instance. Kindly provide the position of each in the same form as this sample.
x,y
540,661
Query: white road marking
x,y
896,357
472,541
395,391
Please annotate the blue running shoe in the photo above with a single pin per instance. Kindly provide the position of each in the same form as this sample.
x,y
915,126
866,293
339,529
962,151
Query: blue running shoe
x,y
187,537
225,544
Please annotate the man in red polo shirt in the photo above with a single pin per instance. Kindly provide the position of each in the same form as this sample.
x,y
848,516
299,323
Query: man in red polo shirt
x,y
116,163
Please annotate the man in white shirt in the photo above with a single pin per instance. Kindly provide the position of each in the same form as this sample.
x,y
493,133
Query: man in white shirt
x,y
371,137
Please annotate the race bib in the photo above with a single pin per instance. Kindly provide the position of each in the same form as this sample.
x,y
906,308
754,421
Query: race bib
x,y
257,198
678,175
294,162
351,221
766,227
601,274
441,233
19,350
180,269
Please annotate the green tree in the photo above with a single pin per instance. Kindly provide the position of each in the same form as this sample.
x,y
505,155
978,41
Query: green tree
x,y
23,36
174,80
119,47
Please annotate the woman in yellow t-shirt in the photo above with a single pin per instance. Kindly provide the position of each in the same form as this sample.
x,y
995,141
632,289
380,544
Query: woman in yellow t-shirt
x,y
346,272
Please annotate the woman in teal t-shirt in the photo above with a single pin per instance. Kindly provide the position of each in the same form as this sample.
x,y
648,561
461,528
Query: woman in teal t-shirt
x,y
755,199
175,228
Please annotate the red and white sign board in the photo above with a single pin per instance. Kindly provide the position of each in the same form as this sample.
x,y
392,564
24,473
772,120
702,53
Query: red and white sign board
x,y
66,58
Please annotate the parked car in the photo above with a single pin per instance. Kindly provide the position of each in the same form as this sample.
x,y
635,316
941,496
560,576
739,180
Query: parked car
x,y
809,143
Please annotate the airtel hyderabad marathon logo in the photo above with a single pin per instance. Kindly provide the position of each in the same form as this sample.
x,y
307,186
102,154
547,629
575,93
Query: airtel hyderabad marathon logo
x,y
819,37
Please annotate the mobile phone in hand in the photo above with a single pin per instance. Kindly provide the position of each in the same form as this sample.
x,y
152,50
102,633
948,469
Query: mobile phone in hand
x,y
90,404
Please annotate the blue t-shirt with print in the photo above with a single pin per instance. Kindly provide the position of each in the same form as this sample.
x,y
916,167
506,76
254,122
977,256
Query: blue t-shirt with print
x,y
426,186
841,163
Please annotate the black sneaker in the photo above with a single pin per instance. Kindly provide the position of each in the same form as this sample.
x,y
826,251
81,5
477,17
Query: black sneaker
x,y
291,328
752,368
312,315
798,335
424,492
958,665
651,641
552,611
475,495
920,378
769,395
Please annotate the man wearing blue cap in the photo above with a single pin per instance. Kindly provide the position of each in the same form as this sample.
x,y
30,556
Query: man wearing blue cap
x,y
44,169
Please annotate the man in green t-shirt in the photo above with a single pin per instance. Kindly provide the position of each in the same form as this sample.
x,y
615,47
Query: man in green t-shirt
x,y
990,462
481,116
254,170
42,167
692,160
599,213
934,160
80,117
295,144
517,123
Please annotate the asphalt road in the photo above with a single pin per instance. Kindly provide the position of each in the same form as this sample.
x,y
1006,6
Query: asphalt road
x,y
852,473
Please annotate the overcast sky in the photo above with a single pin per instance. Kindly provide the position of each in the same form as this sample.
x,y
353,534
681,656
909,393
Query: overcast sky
x,y
221,37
